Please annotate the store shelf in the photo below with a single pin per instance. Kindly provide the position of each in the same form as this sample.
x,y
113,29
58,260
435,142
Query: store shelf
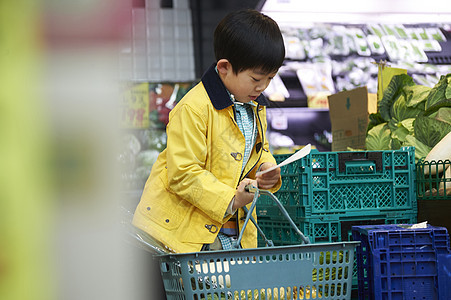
x,y
302,125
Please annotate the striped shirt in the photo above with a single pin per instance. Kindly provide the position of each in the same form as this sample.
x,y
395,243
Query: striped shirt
x,y
246,122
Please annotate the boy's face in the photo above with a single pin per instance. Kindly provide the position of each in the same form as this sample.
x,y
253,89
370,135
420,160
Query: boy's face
x,y
247,85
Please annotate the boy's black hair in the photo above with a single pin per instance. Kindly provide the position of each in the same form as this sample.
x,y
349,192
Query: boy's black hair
x,y
249,39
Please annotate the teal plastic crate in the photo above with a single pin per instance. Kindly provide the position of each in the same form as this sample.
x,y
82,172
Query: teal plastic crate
x,y
326,230
346,182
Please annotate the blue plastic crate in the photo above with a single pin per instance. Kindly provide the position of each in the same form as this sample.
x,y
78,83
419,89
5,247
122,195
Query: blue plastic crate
x,y
346,182
394,262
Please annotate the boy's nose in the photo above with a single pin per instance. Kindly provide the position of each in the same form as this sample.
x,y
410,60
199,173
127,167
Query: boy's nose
x,y
260,88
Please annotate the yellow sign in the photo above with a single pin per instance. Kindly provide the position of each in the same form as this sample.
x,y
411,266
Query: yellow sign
x,y
135,106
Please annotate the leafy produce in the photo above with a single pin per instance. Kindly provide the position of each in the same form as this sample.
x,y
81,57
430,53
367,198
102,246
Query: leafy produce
x,y
411,115
379,138
392,93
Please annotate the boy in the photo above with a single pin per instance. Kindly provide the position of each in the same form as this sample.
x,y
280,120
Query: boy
x,y
216,143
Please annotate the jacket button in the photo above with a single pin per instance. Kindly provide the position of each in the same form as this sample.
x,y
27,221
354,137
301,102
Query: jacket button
x,y
237,156
148,208
212,228
167,220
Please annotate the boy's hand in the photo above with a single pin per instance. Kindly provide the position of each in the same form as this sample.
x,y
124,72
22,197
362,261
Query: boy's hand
x,y
268,180
242,197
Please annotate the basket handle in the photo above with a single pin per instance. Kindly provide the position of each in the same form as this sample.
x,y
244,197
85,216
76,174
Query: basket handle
x,y
252,189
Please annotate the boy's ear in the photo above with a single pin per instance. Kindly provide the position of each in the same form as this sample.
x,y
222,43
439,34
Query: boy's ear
x,y
223,66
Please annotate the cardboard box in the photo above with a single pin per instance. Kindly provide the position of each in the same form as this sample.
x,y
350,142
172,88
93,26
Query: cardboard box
x,y
349,111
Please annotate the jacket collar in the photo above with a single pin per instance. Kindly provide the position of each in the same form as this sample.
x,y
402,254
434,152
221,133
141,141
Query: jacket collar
x,y
217,92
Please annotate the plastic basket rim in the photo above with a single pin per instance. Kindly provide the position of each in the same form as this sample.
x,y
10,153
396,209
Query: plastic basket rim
x,y
264,250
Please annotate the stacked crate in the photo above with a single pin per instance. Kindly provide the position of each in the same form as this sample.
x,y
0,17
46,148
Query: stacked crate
x,y
326,193
397,262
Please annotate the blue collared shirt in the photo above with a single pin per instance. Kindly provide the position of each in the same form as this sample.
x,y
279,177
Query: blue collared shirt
x,y
245,119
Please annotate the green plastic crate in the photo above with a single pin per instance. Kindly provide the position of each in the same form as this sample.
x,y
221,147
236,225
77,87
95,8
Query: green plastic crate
x,y
432,182
345,182
326,230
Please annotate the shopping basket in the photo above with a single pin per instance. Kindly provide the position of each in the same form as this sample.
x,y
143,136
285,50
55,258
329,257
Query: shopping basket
x,y
306,271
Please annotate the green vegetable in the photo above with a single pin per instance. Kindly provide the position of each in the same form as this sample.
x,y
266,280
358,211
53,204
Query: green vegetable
x,y
444,115
379,138
391,94
415,95
439,106
421,150
401,111
411,115
440,91
375,119
400,134
430,131
429,127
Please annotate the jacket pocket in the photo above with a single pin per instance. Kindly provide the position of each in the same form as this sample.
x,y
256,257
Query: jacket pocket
x,y
160,206
162,216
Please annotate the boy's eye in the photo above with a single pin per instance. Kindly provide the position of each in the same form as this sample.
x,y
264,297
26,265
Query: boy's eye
x,y
255,79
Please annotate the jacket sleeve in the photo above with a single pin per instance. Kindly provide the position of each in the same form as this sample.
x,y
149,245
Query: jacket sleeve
x,y
187,150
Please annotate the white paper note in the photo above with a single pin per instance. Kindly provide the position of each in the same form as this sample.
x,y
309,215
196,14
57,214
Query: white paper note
x,y
296,156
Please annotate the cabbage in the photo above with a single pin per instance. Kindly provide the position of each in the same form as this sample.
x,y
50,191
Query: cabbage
x,y
430,131
411,115
444,115
440,91
401,111
416,95
404,128
392,93
378,138
430,127
421,150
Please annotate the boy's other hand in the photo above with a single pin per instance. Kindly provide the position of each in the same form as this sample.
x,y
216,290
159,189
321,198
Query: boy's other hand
x,y
242,197
268,180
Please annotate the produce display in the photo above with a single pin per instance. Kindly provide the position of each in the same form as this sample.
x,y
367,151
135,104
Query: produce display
x,y
344,56
411,115
141,146
139,152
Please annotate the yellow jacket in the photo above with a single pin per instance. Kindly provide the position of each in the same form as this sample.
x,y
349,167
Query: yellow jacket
x,y
194,179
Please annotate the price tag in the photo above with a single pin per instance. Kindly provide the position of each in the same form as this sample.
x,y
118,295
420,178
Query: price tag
x,y
135,106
